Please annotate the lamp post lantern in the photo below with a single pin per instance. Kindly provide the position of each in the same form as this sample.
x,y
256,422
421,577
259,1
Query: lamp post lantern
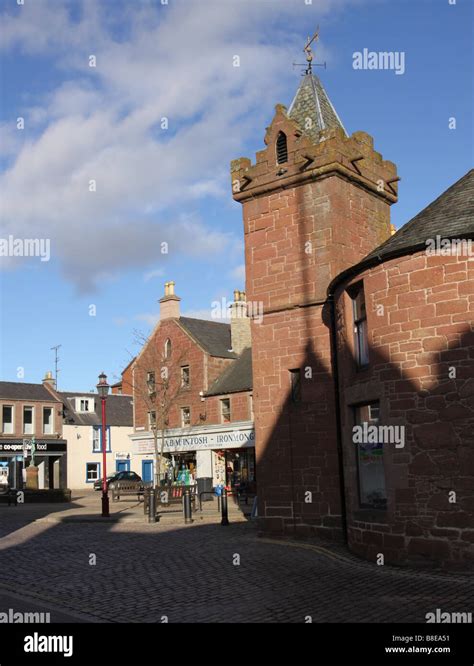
x,y
103,390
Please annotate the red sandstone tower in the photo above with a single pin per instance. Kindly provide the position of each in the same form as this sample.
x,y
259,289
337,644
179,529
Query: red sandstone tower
x,y
315,202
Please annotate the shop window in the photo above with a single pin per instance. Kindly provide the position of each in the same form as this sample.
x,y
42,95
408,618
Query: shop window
x,y
151,420
92,472
361,344
185,416
295,385
47,420
97,439
7,419
150,382
185,376
370,461
281,148
168,348
225,410
28,428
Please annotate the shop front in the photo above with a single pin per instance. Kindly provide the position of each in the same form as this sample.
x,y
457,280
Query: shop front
x,y
221,455
49,458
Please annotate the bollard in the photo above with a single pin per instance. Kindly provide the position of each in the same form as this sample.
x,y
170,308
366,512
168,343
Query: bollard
x,y
225,519
152,507
187,510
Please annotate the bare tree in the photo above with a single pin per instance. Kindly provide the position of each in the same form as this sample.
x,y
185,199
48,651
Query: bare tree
x,y
159,381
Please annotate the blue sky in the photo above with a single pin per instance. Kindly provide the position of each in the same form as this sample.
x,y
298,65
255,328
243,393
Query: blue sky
x,y
172,185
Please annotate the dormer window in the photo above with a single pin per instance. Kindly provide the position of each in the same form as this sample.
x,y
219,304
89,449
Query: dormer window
x,y
84,405
281,148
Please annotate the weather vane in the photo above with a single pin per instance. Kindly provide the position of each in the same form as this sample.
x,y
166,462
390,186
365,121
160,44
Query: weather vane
x,y
309,54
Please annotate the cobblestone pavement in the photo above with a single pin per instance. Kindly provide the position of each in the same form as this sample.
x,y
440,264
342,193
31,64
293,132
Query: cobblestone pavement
x,y
190,573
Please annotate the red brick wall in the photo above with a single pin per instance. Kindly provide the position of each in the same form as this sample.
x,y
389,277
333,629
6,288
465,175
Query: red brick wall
x,y
302,227
184,352
424,331
127,380
239,407
204,369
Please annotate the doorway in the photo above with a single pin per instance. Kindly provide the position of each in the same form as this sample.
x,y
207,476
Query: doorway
x,y
122,466
147,470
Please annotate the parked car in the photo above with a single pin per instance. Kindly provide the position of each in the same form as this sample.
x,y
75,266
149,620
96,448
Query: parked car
x,y
129,477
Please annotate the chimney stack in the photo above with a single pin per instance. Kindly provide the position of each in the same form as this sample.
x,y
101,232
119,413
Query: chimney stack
x,y
49,380
169,303
239,323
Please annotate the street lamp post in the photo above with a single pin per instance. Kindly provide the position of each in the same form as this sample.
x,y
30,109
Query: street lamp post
x,y
103,390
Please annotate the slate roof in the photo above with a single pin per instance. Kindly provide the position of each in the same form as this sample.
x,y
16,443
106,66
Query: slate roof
x,y
119,410
237,377
213,336
24,391
451,215
311,101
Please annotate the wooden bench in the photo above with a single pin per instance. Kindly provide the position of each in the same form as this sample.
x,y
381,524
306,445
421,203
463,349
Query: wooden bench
x,y
167,495
120,488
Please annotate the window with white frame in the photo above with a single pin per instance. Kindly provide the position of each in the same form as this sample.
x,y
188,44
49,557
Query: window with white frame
x,y
97,439
92,472
48,420
185,416
7,419
225,410
28,415
150,382
251,407
84,405
151,420
168,348
185,376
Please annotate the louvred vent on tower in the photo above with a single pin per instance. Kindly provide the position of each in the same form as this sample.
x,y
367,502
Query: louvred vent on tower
x,y
281,148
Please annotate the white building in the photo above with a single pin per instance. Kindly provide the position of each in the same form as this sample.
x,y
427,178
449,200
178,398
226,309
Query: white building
x,y
82,428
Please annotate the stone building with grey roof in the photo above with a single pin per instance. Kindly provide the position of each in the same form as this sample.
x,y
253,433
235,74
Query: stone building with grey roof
x,y
199,412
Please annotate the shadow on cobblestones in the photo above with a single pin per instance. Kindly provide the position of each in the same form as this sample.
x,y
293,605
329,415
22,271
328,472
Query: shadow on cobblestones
x,y
136,572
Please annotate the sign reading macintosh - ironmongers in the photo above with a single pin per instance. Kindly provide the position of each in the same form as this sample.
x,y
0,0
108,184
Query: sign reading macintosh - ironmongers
x,y
231,439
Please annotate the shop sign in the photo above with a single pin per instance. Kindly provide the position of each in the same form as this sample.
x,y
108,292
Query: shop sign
x,y
231,439
46,447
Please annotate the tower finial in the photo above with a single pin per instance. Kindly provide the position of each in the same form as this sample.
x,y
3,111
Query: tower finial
x,y
308,51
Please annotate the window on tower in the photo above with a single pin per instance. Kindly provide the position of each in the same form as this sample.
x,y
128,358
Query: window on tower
x,y
361,343
281,148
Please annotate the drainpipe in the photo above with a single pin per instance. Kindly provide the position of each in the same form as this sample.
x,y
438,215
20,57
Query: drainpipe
x,y
335,371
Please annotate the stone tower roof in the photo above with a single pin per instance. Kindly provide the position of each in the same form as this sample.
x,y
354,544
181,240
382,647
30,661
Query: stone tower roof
x,y
311,102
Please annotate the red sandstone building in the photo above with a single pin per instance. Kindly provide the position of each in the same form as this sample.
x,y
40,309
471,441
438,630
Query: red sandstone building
x,y
360,328
192,381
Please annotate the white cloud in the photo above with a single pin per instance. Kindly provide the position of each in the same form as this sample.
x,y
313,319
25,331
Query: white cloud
x,y
238,273
157,272
104,124
204,313
150,318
